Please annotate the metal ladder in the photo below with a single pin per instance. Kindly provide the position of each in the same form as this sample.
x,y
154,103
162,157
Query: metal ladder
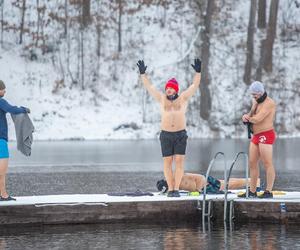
x,y
208,213
227,184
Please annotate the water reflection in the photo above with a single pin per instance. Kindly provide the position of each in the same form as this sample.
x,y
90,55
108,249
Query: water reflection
x,y
142,236
101,155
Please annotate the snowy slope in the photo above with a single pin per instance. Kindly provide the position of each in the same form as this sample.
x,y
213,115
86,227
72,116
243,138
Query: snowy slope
x,y
165,39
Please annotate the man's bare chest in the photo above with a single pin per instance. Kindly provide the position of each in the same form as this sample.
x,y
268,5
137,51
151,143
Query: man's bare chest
x,y
176,106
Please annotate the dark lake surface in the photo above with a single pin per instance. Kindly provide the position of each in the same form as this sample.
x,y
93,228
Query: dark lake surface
x,y
72,167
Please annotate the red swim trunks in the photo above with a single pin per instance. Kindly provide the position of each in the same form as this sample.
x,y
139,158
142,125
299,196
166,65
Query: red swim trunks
x,y
266,137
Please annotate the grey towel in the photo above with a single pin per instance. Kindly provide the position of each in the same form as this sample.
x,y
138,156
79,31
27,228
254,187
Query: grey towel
x,y
136,193
24,129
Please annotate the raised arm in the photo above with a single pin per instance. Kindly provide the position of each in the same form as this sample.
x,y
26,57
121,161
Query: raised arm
x,y
150,88
5,106
191,90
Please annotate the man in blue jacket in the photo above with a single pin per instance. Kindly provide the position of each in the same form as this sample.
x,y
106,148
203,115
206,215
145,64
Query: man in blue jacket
x,y
5,107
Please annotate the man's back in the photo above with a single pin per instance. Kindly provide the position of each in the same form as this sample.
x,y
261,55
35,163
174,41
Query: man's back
x,y
192,182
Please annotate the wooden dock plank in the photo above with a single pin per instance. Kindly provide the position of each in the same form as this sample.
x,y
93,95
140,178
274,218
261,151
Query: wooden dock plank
x,y
101,208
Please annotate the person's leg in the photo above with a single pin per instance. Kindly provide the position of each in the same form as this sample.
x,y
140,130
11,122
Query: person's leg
x,y
237,183
167,150
179,152
253,165
266,155
168,172
179,170
3,171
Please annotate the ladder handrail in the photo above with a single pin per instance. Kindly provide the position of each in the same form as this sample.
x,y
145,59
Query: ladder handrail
x,y
206,178
226,184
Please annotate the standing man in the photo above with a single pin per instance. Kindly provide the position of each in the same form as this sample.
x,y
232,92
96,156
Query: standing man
x,y
5,107
173,136
261,116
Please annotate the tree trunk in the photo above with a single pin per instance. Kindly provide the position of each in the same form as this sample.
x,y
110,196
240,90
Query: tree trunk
x,y
38,22
99,36
82,57
86,12
22,21
250,41
258,75
271,34
205,97
261,14
120,26
78,57
2,16
98,28
66,18
99,33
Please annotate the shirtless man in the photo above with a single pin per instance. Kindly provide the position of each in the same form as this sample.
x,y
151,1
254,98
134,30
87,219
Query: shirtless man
x,y
261,116
173,136
196,182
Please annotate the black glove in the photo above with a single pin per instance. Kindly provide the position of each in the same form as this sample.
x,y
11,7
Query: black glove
x,y
26,109
249,129
142,67
197,65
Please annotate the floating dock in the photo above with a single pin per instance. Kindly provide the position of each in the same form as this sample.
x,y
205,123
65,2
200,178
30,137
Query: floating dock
x,y
102,208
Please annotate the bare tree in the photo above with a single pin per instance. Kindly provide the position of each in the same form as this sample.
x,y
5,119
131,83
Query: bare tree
x,y
99,33
120,7
22,21
271,34
86,12
2,20
82,57
261,14
43,36
258,74
205,97
99,24
38,22
250,40
66,17
81,46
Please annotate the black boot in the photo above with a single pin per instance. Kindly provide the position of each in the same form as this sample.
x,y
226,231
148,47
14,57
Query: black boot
x,y
171,194
176,193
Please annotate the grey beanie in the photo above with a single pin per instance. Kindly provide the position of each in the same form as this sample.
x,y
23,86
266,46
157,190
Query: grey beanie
x,y
257,88
2,85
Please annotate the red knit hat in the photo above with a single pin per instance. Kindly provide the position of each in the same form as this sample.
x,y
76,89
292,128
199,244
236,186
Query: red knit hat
x,y
172,83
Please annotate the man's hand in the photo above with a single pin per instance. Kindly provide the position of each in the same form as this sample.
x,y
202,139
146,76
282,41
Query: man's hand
x,y
245,118
26,109
197,65
142,67
254,102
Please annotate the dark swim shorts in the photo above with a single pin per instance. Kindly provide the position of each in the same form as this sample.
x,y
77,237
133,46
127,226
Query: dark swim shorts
x,y
213,186
173,143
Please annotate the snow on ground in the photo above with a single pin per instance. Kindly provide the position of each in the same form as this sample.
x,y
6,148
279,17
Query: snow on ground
x,y
166,42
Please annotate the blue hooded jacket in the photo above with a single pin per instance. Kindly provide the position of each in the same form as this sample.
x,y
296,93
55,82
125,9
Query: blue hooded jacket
x,y
5,107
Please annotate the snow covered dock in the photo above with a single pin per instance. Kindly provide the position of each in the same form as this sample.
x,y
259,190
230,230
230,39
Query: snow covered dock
x,y
102,208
